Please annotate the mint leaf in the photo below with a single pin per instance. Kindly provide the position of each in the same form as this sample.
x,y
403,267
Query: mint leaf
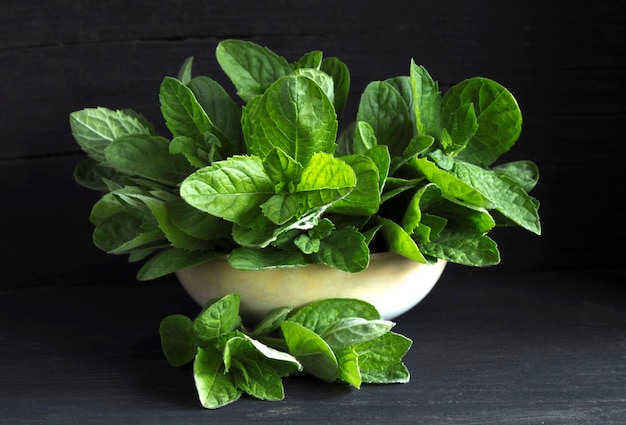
x,y
450,184
459,128
183,114
94,128
196,223
426,102
338,71
498,117
349,371
232,189
324,180
256,368
282,169
523,173
217,319
271,322
380,359
364,199
311,350
170,260
364,137
323,80
266,258
508,198
177,339
250,67
310,60
344,249
294,115
400,242
215,387
184,74
148,157
385,110
468,248
350,331
222,111
319,315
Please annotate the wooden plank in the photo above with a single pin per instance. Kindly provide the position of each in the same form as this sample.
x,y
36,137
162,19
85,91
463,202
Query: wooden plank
x,y
67,56
504,348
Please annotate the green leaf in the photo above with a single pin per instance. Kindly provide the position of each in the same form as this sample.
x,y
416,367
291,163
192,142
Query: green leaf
x,y
400,242
280,208
348,361
266,258
344,249
177,339
450,184
324,180
198,155
523,173
94,128
380,359
215,388
413,212
177,237
217,319
183,114
271,322
364,138
364,199
322,79
385,110
426,102
350,331
184,74
233,189
222,111
250,67
467,248
311,350
310,60
196,223
148,157
458,216
459,128
284,171
256,368
172,259
382,159
404,87
341,82
294,115
93,174
320,315
121,233
306,244
508,198
497,113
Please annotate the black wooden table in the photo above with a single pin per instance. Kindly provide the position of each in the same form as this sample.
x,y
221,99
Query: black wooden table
x,y
490,347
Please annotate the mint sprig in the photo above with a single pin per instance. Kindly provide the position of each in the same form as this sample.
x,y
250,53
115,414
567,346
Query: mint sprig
x,y
336,340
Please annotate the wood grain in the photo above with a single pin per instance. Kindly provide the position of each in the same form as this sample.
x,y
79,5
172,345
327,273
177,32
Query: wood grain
x,y
564,64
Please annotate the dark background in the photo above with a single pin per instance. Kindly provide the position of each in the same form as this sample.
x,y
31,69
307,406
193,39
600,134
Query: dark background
x,y
564,62
538,339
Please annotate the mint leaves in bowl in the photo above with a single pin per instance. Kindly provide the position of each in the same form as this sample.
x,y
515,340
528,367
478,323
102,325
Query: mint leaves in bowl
x,y
270,181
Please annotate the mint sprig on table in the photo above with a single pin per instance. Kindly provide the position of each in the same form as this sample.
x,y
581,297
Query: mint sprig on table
x,y
335,340
269,180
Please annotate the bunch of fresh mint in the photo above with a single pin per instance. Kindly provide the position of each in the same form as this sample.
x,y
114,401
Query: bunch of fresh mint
x,y
336,340
270,181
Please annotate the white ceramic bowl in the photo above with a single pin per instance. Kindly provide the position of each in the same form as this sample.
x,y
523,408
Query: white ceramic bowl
x,y
392,283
